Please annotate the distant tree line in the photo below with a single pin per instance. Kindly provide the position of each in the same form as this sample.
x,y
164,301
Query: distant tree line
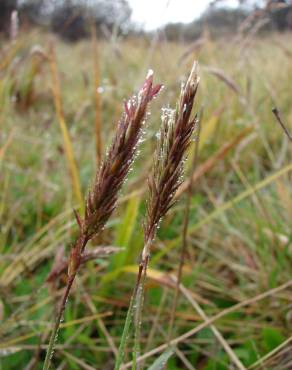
x,y
281,16
71,19
221,21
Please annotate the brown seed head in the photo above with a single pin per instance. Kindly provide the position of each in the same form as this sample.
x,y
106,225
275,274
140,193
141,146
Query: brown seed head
x,y
174,139
114,169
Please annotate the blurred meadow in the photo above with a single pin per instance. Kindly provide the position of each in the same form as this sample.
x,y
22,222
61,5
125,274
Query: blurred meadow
x,y
60,103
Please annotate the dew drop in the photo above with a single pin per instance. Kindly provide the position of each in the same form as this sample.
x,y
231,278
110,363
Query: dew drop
x,y
100,89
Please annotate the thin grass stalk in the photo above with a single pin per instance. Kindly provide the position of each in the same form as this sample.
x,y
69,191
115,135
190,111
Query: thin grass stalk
x,y
229,351
138,316
14,25
213,160
262,360
54,334
72,166
103,196
211,320
127,326
226,206
100,324
96,93
4,148
279,119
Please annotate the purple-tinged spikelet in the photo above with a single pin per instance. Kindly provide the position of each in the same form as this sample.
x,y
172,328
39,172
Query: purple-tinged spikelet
x,y
173,141
102,198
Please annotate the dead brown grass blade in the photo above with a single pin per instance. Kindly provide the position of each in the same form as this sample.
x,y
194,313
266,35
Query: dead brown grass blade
x,y
96,73
263,360
193,48
210,321
4,148
99,321
72,166
221,75
60,265
212,161
215,331
281,122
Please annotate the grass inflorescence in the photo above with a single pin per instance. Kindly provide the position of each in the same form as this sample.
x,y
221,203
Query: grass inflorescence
x,y
102,198
58,112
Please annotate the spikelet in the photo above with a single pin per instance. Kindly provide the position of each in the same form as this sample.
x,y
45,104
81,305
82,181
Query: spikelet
x,y
102,198
173,141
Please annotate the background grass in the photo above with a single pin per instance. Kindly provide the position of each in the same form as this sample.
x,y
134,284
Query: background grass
x,y
239,238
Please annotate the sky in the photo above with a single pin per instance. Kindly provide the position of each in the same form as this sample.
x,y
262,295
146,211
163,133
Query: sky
x,y
151,14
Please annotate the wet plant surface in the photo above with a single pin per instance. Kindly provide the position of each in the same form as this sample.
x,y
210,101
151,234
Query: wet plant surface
x,y
233,305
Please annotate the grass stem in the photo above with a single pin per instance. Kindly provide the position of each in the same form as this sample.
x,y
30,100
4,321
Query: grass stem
x,y
58,321
66,137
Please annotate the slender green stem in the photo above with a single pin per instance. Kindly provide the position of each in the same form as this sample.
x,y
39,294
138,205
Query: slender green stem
x,y
121,352
55,330
138,316
73,265
125,334
135,306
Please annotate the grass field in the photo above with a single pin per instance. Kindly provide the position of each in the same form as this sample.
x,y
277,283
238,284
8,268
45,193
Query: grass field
x,y
239,237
